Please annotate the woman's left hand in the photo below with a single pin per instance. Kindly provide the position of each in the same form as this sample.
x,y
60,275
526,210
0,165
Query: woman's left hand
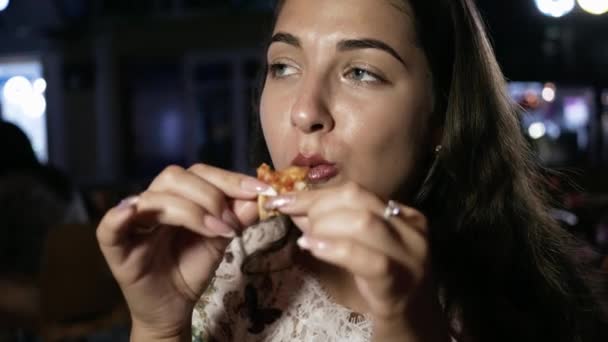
x,y
388,256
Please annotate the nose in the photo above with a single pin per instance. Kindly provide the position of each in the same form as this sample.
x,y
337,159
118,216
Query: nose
x,y
310,112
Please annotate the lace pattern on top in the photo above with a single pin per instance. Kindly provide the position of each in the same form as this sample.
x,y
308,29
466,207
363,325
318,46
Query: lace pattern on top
x,y
288,304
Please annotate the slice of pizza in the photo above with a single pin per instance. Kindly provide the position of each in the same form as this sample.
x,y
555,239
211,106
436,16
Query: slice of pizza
x,y
288,180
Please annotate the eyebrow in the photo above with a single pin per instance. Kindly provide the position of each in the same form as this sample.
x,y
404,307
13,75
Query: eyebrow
x,y
287,38
368,43
343,45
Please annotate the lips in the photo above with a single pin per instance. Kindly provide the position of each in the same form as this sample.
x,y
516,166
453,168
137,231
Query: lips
x,y
320,171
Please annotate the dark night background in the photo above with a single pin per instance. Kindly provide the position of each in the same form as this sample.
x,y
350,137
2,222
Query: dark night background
x,y
135,85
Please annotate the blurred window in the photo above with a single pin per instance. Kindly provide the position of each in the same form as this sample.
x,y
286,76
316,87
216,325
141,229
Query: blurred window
x,y
23,100
559,120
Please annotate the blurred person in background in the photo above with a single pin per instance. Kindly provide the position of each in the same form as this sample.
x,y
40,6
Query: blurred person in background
x,y
28,208
33,199
384,100
18,158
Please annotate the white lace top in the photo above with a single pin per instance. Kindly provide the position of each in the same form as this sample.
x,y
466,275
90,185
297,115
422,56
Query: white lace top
x,y
287,304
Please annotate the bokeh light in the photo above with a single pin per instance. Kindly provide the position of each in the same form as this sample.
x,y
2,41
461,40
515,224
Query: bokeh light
x,y
596,7
4,4
17,90
35,106
555,8
548,92
537,130
40,85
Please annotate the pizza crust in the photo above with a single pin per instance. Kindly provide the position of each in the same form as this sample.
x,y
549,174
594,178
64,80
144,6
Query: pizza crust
x,y
289,180
265,214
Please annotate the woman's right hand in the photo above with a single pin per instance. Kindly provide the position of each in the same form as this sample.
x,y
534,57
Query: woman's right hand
x,y
163,272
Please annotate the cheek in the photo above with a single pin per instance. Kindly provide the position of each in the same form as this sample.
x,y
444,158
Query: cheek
x,y
387,141
387,144
273,127
268,122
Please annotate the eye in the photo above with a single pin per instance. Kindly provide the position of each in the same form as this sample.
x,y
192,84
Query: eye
x,y
281,70
363,75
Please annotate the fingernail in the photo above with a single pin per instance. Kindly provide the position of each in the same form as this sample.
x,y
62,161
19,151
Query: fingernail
x,y
230,218
257,187
127,202
309,243
219,226
278,202
321,246
303,242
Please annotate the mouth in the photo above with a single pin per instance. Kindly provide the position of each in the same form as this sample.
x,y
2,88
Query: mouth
x,y
321,170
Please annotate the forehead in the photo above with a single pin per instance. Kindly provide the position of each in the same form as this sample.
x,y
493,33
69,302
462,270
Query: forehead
x,y
389,20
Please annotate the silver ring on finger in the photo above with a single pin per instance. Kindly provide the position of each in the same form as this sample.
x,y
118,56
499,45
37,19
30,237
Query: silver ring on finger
x,y
392,209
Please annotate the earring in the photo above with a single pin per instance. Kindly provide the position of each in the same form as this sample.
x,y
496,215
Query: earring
x,y
438,149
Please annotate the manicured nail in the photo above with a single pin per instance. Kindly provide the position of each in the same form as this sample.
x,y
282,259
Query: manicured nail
x,y
278,202
230,218
321,246
304,242
219,226
257,187
309,243
127,202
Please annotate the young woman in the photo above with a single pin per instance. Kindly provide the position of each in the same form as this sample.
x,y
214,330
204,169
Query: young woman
x,y
425,221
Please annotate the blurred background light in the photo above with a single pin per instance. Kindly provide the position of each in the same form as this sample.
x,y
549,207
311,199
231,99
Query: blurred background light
x,y
40,85
4,4
596,7
548,92
35,106
17,90
553,130
555,8
22,99
576,112
537,130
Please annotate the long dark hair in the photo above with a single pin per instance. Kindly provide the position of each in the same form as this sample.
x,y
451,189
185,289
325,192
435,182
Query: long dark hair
x,y
505,268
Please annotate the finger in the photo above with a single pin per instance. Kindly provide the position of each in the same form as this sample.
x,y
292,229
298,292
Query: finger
x,y
380,275
296,203
113,230
349,195
171,210
234,185
129,260
179,182
210,187
113,225
358,259
246,212
362,227
416,219
412,228
408,228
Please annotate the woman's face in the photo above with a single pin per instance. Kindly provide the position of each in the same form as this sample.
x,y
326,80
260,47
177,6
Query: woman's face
x,y
349,92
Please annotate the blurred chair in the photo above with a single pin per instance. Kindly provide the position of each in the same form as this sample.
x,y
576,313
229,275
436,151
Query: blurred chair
x,y
19,306
78,295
